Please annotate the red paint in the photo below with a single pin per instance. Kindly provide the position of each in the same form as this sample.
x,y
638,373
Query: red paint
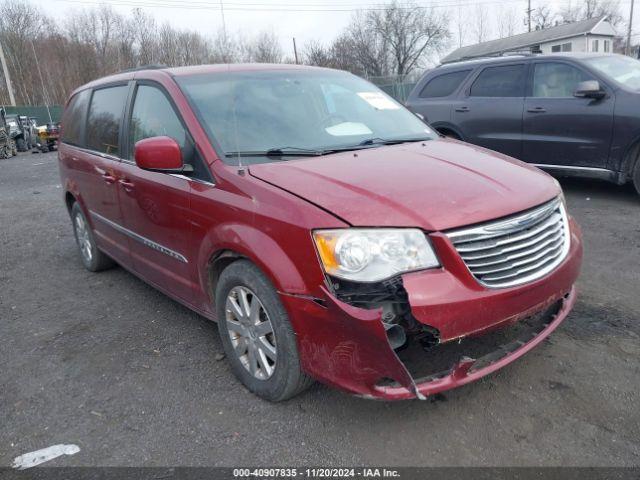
x,y
158,153
267,215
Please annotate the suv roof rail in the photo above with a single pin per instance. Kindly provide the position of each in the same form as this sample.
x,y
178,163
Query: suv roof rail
x,y
153,66
499,55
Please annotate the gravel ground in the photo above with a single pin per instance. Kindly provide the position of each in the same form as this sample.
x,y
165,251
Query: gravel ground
x,y
108,363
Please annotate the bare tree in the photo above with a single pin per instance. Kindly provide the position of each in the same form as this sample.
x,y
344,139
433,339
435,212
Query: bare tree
x,y
592,9
543,17
411,32
263,48
314,53
481,27
461,27
507,22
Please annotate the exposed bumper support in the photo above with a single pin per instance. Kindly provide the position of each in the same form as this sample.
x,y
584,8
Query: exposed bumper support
x,y
347,347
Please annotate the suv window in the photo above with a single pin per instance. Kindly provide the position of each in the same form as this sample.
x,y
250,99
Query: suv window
x,y
105,115
73,118
502,81
444,85
556,79
152,116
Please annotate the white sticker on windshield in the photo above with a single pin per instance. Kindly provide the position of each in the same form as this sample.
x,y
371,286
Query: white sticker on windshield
x,y
379,101
348,128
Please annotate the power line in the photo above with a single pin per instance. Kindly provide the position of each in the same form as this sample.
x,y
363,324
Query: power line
x,y
191,5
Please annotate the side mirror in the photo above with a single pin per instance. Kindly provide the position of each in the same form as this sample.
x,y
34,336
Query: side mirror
x,y
589,89
161,154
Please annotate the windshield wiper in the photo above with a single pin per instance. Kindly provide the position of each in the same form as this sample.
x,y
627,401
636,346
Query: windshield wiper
x,y
369,142
278,152
390,141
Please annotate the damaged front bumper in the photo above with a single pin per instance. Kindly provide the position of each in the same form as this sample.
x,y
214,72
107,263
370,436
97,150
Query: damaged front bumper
x,y
347,347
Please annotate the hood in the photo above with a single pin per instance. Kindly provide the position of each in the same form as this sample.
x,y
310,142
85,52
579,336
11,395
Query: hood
x,y
435,185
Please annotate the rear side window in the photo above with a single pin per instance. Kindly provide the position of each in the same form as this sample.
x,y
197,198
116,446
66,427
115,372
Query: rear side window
x,y
503,81
443,85
73,118
105,116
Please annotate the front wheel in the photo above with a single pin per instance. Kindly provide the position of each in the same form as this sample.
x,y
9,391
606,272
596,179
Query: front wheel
x,y
92,258
256,334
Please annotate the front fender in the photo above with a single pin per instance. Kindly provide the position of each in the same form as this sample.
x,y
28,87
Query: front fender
x,y
258,247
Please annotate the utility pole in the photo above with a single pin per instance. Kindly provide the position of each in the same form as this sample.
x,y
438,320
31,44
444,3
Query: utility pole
x,y
7,78
529,14
295,50
627,49
224,23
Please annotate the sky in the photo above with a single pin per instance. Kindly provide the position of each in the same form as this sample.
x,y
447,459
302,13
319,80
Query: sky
x,y
306,20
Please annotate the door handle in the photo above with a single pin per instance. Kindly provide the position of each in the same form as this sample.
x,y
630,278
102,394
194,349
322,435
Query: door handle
x,y
536,110
108,178
462,109
127,185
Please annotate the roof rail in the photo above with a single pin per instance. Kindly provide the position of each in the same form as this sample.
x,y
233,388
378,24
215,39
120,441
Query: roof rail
x,y
153,66
498,55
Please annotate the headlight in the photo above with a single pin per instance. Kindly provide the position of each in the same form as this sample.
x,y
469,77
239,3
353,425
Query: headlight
x,y
369,255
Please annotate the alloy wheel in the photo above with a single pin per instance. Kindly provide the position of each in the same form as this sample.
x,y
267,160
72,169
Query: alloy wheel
x,y
251,332
84,241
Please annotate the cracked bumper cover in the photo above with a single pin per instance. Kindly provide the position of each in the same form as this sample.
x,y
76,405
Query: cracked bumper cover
x,y
347,347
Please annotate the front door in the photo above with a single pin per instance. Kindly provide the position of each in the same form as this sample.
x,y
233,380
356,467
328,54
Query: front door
x,y
490,112
560,129
155,205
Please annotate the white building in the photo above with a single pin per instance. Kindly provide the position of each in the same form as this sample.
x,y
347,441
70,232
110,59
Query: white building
x,y
592,35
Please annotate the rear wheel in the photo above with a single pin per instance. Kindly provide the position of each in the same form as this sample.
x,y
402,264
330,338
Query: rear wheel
x,y
256,334
92,257
636,176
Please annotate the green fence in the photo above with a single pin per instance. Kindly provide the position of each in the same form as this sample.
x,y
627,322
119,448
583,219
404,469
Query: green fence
x,y
399,91
40,112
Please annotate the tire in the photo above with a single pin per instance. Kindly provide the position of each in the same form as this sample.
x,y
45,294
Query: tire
x,y
450,134
285,378
92,257
636,176
21,145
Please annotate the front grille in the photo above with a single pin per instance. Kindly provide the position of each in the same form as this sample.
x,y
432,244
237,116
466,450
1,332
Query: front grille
x,y
517,249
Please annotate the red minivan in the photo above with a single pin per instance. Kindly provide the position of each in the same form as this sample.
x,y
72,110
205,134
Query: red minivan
x,y
330,232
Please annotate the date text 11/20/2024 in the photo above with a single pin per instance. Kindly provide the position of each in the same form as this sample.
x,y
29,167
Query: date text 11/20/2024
x,y
365,472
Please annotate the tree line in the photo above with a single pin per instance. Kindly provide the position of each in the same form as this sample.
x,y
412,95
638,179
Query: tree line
x,y
398,40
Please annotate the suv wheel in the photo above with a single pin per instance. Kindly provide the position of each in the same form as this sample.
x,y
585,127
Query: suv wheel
x,y
256,334
21,144
92,257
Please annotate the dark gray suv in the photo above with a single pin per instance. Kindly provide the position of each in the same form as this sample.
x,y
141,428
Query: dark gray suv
x,y
575,114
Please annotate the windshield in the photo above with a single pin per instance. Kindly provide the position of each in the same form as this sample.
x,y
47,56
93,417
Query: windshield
x,y
252,112
624,70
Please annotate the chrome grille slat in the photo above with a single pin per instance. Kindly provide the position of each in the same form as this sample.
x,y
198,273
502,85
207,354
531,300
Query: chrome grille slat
x,y
496,241
550,252
557,230
515,250
556,240
518,271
